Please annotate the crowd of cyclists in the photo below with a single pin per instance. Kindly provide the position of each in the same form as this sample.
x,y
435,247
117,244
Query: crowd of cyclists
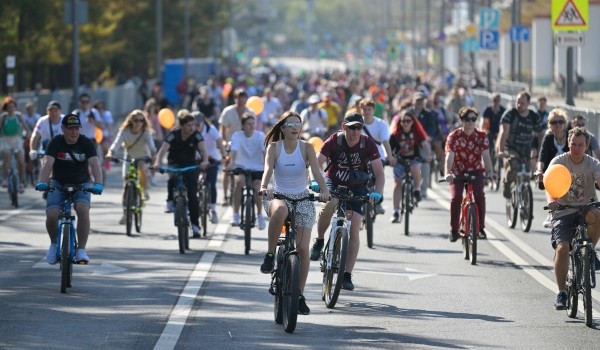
x,y
363,119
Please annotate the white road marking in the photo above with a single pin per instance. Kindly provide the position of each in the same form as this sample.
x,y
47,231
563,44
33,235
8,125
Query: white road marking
x,y
412,274
10,213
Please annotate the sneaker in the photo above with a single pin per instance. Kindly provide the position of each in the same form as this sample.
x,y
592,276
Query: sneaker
x,y
195,231
597,263
395,218
268,264
261,222
214,218
122,220
417,195
235,221
506,191
146,195
51,257
21,188
348,285
169,207
453,236
379,209
548,222
82,257
482,234
315,252
561,301
303,309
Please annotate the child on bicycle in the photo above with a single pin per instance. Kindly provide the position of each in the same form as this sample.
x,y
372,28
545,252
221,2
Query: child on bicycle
x,y
135,140
181,145
288,158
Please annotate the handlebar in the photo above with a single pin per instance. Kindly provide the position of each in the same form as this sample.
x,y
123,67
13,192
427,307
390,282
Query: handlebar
x,y
467,178
343,193
163,170
68,188
578,207
145,159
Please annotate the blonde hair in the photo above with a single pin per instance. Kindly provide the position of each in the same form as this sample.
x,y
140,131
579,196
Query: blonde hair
x,y
557,113
128,122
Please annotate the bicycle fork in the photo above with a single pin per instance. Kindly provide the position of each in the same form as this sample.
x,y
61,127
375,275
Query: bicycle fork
x,y
72,246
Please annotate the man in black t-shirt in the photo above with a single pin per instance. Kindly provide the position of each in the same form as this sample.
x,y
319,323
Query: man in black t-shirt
x,y
68,157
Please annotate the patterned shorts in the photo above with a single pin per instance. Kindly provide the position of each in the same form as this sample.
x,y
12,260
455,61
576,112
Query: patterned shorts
x,y
305,210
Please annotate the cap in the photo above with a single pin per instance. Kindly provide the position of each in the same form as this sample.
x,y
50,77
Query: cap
x,y
353,118
71,121
53,104
418,95
326,94
314,98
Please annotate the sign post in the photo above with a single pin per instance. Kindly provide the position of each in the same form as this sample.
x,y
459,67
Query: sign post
x,y
489,38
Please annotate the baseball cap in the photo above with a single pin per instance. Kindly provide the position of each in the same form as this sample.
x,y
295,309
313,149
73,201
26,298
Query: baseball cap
x,y
71,121
418,95
353,118
53,104
314,98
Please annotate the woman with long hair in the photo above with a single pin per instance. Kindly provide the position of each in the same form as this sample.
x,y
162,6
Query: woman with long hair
x,y
12,125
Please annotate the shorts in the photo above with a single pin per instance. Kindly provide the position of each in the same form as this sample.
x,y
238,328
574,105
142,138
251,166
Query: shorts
x,y
356,207
563,229
305,210
55,198
11,142
399,170
255,174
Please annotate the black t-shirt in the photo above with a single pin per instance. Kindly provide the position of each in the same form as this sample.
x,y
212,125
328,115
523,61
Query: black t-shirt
x,y
183,152
522,130
67,170
494,118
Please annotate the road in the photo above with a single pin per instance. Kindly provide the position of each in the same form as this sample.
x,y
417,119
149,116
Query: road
x,y
413,292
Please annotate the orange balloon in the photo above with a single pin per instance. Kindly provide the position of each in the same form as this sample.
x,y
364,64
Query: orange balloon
x,y
557,180
316,142
226,90
99,135
256,104
166,118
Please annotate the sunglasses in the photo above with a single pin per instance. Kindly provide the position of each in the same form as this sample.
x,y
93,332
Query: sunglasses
x,y
467,119
292,124
406,121
355,127
557,122
138,120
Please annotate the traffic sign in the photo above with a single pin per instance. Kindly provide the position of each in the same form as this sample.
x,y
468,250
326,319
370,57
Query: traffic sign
x,y
569,15
489,39
519,34
489,18
470,45
566,39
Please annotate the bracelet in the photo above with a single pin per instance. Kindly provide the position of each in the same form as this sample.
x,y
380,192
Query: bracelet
x,y
264,186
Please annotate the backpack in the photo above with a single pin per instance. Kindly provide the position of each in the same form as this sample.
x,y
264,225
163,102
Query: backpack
x,y
356,177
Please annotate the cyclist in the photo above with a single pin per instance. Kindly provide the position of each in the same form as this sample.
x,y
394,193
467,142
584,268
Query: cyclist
x,y
135,140
315,119
45,129
288,158
430,124
348,150
407,140
554,143
467,152
516,133
378,131
68,157
181,145
12,125
585,172
491,118
216,153
247,152
333,109
594,149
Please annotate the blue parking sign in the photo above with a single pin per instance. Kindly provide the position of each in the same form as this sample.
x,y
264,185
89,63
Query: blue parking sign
x,y
488,39
519,34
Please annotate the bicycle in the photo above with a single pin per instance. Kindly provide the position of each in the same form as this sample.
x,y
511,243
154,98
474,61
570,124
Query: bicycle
x,y
408,202
12,183
66,239
248,214
469,218
285,278
369,212
133,195
496,167
181,219
521,201
582,275
333,258
204,196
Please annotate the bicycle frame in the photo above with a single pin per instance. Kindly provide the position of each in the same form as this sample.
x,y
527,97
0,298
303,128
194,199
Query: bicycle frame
x,y
13,179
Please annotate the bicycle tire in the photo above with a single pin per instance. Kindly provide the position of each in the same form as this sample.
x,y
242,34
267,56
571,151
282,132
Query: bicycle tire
x,y
472,236
291,292
181,221
137,213
278,298
369,215
129,204
586,286
572,292
13,189
248,204
334,278
65,261
512,209
526,211
205,208
407,200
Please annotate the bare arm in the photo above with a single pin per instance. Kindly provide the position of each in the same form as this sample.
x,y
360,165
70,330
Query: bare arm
x,y
487,161
502,137
449,163
94,163
161,152
388,150
46,169
315,169
203,153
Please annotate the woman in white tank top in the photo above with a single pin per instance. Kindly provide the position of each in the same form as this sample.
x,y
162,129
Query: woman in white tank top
x,y
288,158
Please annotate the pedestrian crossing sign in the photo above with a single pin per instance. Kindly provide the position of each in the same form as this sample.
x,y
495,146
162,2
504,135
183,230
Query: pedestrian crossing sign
x,y
570,15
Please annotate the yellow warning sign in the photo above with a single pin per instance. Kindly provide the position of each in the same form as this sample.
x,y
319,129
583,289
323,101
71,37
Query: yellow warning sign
x,y
570,15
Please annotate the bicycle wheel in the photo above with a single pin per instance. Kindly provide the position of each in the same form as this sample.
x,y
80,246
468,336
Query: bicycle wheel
x,y
587,259
369,216
278,300
526,211
291,292
512,209
407,204
137,212
182,224
65,261
334,278
572,292
129,206
472,236
205,208
13,189
248,204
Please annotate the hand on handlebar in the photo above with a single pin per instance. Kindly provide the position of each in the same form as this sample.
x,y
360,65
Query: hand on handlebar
x,y
314,186
449,177
324,196
375,197
42,186
268,193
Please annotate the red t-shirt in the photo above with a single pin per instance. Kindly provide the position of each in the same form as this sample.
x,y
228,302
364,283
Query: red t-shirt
x,y
340,155
467,151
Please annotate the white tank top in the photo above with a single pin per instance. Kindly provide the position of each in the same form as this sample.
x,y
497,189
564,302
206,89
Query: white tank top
x,y
290,171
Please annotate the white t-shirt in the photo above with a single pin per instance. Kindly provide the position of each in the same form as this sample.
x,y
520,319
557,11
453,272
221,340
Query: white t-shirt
x,y
43,128
314,121
379,132
87,127
250,150
271,111
211,137
230,119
